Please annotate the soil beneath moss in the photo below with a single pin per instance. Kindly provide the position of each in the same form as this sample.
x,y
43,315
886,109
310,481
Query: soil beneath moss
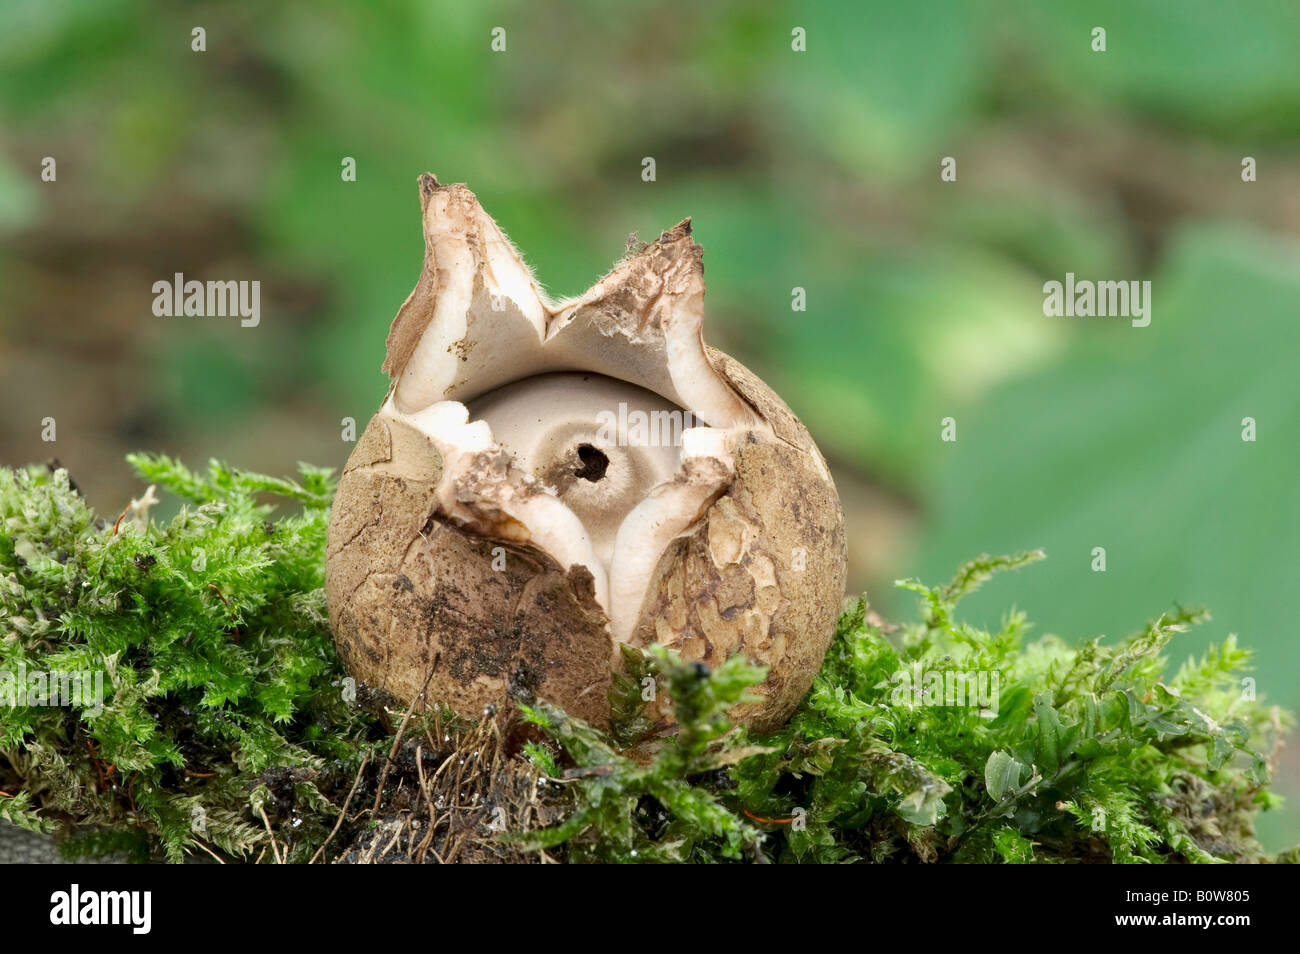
x,y
451,797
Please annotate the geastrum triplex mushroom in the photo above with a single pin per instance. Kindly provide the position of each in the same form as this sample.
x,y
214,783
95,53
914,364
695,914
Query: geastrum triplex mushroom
x,y
547,480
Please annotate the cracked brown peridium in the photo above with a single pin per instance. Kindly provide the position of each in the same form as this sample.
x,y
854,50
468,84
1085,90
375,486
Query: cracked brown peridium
x,y
547,480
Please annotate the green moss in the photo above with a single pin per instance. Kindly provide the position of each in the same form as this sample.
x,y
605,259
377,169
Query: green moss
x,y
1087,753
227,725
220,681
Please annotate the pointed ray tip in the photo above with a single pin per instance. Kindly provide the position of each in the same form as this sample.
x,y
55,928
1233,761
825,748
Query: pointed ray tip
x,y
679,231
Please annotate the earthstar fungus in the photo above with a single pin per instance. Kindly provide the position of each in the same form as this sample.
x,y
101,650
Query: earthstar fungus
x,y
547,480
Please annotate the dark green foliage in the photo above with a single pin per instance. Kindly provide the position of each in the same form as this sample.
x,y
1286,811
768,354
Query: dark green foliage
x,y
225,726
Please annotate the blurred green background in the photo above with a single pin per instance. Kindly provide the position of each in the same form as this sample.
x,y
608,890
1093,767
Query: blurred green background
x,y
817,169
